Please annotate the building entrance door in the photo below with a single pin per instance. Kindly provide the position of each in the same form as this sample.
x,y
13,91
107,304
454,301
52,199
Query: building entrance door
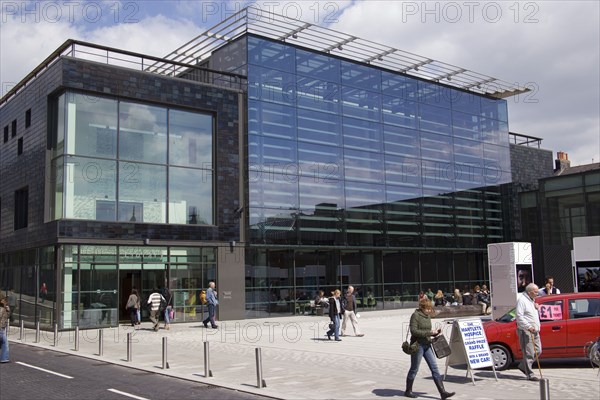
x,y
129,279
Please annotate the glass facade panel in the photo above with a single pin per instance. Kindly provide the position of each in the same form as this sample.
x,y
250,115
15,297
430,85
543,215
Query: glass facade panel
x,y
91,125
436,147
269,119
320,162
273,190
401,141
364,194
273,86
494,132
466,103
275,55
465,126
399,86
403,171
360,76
142,192
494,109
190,139
399,112
362,135
142,132
90,190
363,166
360,103
190,203
318,95
434,94
435,119
323,191
317,66
270,155
318,127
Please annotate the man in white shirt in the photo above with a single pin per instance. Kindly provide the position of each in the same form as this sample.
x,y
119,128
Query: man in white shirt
x,y
528,329
155,300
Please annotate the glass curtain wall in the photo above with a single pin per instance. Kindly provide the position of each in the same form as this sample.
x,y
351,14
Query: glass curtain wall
x,y
341,153
115,160
28,279
283,282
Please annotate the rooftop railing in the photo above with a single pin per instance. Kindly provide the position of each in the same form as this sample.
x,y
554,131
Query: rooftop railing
x,y
524,140
132,60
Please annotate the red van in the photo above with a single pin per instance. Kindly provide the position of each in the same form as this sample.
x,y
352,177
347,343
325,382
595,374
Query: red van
x,y
568,320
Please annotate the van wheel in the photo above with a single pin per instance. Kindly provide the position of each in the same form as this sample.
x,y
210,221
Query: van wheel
x,y
501,356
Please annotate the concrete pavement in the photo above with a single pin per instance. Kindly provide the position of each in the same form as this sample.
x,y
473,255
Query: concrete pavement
x,y
298,362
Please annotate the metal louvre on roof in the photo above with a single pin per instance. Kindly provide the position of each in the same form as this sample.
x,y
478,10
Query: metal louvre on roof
x,y
299,33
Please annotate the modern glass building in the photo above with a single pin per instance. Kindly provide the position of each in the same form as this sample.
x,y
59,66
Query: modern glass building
x,y
277,157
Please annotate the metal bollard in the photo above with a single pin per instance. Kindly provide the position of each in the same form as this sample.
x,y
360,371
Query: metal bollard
x,y
76,338
37,331
207,371
21,337
55,334
544,389
260,382
100,342
165,364
129,349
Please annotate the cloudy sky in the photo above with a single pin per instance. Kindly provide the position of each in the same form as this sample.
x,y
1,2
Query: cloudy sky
x,y
550,46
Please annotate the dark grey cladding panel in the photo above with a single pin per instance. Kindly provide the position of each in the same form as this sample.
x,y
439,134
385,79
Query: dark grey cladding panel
x,y
129,231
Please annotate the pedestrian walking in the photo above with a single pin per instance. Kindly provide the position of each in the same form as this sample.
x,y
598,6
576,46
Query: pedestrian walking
x,y
349,307
528,329
43,292
335,310
4,315
132,302
421,332
212,303
169,308
154,300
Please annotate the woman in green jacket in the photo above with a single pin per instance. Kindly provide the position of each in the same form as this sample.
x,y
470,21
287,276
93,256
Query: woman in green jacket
x,y
421,332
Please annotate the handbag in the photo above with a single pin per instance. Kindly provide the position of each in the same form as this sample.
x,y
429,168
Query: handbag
x,y
410,348
440,345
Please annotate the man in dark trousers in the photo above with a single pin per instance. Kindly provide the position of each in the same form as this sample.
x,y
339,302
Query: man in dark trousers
x,y
212,302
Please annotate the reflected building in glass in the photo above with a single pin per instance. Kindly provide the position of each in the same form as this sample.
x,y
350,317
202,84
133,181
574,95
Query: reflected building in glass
x,y
276,157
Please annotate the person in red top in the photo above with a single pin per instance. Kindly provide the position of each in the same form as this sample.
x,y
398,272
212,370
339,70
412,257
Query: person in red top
x,y
43,292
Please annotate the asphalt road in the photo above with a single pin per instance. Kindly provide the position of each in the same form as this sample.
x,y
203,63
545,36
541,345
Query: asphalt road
x,y
36,373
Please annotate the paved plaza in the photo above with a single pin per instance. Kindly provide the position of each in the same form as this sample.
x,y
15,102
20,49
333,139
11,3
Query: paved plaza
x,y
298,362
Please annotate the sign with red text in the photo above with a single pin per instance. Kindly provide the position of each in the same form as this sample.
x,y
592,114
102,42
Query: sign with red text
x,y
550,311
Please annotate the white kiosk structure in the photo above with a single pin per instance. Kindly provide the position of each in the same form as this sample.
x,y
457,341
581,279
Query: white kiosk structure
x,y
511,270
586,263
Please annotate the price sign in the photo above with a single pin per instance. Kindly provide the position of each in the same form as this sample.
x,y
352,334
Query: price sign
x,y
550,311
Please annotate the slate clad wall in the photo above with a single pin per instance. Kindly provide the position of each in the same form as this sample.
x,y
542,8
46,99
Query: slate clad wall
x,y
106,80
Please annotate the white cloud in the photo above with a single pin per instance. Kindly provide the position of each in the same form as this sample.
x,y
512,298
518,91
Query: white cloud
x,y
553,44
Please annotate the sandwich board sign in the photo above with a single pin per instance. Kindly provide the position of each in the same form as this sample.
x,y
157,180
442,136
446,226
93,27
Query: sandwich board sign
x,y
469,346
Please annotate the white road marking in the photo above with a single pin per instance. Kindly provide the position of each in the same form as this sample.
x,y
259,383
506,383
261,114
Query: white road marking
x,y
45,370
127,394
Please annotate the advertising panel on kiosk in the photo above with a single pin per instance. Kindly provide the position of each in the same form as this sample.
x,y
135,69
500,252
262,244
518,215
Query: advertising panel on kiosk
x,y
511,270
